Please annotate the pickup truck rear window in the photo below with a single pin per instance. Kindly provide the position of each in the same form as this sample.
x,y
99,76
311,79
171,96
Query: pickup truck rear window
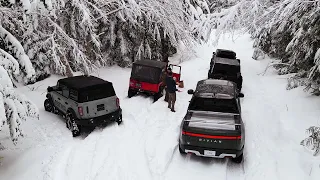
x,y
214,105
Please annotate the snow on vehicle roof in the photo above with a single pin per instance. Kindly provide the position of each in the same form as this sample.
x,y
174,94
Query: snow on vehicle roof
x,y
225,50
218,88
152,63
233,62
81,82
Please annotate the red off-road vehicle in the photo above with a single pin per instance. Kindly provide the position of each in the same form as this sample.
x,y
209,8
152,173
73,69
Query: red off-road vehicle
x,y
146,77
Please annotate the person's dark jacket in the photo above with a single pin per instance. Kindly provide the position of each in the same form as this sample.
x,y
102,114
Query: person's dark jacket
x,y
171,84
239,83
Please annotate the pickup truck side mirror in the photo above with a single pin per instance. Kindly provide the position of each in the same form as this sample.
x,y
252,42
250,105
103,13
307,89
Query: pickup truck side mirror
x,y
241,95
190,91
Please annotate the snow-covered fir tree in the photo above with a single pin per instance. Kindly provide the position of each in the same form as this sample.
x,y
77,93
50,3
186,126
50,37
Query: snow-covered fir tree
x,y
313,141
294,39
15,65
287,30
41,37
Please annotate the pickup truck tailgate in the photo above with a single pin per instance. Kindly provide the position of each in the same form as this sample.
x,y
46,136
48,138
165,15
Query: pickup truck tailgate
x,y
218,131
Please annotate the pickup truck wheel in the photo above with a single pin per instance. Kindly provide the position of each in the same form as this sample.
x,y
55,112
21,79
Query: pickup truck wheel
x,y
48,106
72,126
180,150
238,159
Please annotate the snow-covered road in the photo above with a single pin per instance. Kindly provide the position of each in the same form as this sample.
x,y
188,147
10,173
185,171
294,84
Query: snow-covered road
x,y
145,145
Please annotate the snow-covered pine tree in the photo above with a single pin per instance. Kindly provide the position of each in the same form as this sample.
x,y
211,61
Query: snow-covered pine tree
x,y
294,38
313,141
289,31
15,65
89,34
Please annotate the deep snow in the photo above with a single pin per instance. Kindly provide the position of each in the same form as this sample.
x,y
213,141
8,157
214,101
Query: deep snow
x,y
145,145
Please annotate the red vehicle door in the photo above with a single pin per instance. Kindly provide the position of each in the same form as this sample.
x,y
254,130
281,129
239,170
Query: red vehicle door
x,y
176,72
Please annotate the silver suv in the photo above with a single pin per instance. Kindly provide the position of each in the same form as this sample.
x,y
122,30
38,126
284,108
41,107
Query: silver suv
x,y
83,101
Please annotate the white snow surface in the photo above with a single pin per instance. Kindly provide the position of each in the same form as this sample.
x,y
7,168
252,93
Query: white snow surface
x,y
145,145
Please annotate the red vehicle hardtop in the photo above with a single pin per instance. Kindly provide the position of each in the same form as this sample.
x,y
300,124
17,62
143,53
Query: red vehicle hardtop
x,y
146,77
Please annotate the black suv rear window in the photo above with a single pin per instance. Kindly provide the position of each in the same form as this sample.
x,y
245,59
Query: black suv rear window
x,y
96,93
224,54
214,105
225,69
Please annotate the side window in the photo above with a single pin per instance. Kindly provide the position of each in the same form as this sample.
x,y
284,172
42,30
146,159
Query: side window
x,y
73,95
65,91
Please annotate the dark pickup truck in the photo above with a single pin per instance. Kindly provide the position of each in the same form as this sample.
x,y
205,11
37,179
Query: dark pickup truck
x,y
212,126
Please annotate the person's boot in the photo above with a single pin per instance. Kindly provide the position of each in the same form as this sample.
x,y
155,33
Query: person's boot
x,y
172,109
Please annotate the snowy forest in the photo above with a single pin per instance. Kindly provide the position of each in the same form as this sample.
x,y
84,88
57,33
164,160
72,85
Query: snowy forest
x,y
43,37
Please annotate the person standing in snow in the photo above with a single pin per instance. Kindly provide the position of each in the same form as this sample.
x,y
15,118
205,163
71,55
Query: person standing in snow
x,y
164,76
171,88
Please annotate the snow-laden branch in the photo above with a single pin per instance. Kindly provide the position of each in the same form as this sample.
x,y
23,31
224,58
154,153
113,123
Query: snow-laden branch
x,y
14,107
15,48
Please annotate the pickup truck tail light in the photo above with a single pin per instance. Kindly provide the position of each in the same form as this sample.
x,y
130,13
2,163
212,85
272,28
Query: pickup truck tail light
x,y
80,110
211,136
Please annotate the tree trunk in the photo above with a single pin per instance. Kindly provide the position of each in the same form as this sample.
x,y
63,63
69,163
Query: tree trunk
x,y
164,46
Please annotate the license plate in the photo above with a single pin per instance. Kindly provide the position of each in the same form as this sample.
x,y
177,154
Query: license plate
x,y
209,153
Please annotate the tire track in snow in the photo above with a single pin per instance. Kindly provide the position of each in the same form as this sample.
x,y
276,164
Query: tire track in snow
x,y
87,149
161,143
234,171
261,132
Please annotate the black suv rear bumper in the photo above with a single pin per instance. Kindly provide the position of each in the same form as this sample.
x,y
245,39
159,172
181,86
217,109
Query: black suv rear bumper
x,y
217,153
101,120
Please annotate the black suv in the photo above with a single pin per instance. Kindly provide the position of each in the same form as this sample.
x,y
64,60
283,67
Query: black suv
x,y
213,126
83,101
225,65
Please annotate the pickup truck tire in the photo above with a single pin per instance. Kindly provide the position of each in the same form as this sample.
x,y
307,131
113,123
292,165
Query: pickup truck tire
x,y
48,105
71,125
238,159
180,150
